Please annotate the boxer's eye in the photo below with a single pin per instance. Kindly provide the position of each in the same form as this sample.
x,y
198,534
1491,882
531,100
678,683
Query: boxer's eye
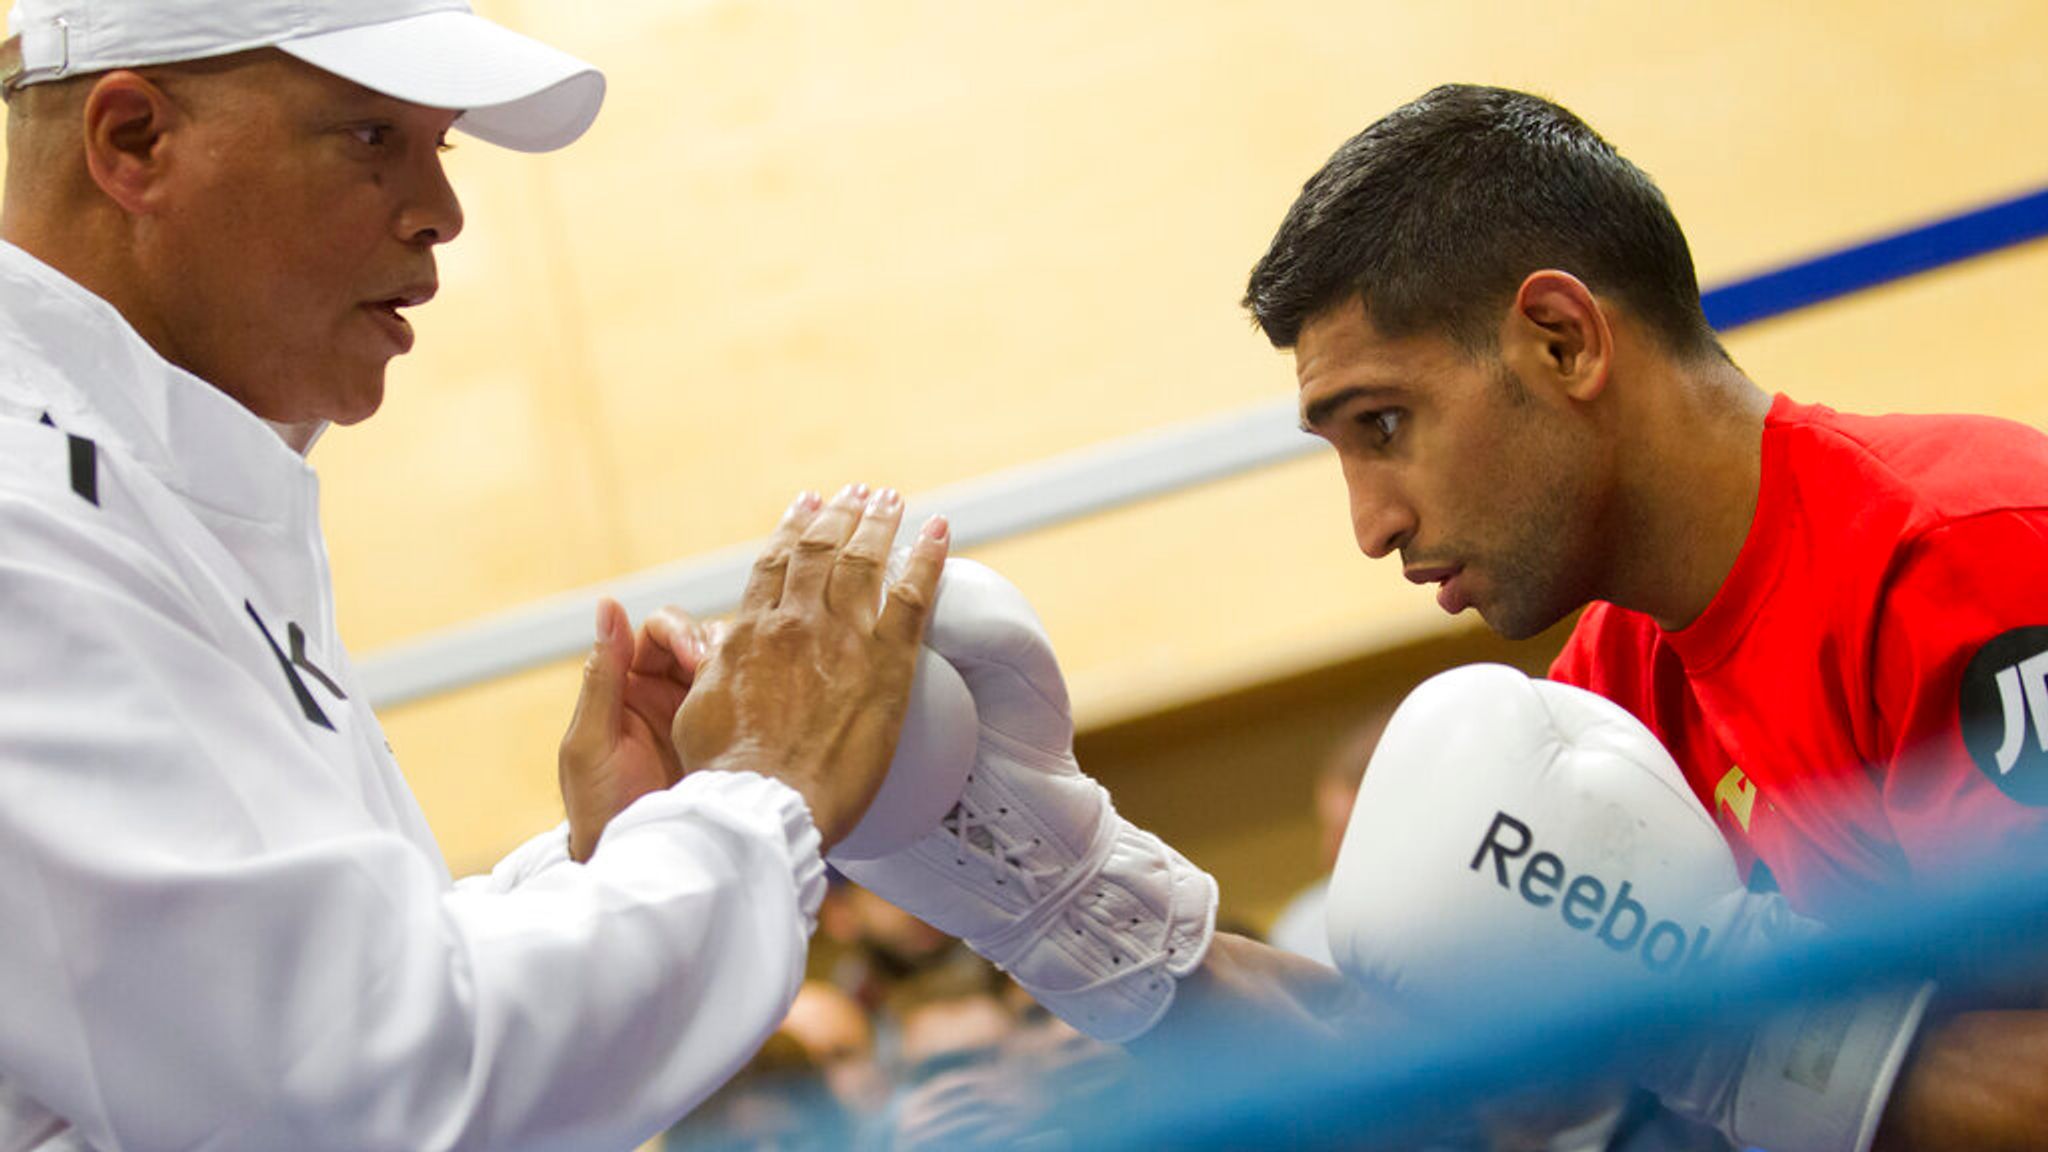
x,y
1382,424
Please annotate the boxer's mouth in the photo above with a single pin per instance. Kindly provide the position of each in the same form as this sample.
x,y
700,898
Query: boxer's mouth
x,y
1434,575
1449,596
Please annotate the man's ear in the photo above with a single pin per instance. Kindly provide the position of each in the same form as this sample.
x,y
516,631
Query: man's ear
x,y
1556,331
126,120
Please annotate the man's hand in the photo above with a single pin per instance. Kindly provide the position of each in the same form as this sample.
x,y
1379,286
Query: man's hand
x,y
811,679
617,748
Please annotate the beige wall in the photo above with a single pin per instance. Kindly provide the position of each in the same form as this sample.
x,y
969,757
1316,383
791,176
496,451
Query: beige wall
x,y
909,243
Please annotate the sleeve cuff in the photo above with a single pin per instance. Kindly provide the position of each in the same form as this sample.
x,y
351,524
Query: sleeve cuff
x,y
526,861
765,807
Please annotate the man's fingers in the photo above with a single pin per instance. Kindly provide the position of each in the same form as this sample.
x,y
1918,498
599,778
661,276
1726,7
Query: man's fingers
x,y
655,699
593,727
671,646
671,649
911,595
854,588
817,546
765,581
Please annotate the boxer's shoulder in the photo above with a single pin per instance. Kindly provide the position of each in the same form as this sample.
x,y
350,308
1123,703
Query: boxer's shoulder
x,y
1934,469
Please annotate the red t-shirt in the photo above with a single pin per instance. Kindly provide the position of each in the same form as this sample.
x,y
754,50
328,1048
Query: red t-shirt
x,y
1864,704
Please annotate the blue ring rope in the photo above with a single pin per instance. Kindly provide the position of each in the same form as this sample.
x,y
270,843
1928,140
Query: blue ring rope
x,y
1863,266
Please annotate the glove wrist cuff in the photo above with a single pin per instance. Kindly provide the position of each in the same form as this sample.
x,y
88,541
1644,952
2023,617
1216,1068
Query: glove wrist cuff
x,y
1818,1076
1811,1077
1108,958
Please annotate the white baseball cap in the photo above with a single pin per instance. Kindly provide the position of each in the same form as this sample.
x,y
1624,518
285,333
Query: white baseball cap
x,y
512,90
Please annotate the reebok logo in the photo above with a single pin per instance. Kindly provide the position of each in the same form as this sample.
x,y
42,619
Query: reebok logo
x,y
1620,923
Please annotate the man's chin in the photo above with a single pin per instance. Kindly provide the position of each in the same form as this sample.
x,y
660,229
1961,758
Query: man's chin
x,y
1515,622
1510,622
354,403
353,415
353,406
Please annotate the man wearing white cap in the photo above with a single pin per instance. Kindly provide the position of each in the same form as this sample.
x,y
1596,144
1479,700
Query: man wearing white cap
x,y
225,922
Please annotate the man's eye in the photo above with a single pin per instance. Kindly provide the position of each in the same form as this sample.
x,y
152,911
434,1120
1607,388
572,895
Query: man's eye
x,y
373,135
1383,423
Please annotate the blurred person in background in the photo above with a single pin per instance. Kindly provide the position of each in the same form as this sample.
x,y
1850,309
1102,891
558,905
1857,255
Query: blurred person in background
x,y
779,1102
1300,927
952,1091
981,1065
837,1034
876,945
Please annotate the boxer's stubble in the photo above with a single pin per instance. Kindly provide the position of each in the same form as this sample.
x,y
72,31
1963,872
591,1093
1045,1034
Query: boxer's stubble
x,y
1496,475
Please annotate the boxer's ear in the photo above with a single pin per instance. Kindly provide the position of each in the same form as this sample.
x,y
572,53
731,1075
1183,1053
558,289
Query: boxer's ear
x,y
1557,335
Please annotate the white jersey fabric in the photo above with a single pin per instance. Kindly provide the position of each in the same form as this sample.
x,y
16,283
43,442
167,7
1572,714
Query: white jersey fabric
x,y
223,921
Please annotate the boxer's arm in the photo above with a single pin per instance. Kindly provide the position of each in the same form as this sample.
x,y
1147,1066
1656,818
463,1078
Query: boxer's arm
x,y
1245,985
1974,1084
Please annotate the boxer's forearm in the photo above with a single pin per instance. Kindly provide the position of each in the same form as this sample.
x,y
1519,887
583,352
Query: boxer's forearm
x,y
1977,1082
1243,984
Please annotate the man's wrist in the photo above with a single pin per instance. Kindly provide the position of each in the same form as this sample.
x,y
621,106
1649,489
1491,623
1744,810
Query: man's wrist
x,y
586,830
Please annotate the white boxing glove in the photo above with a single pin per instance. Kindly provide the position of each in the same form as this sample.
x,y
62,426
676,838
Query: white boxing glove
x,y
1032,867
1515,834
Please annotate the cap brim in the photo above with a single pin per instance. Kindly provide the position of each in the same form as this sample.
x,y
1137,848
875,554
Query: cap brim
x,y
513,91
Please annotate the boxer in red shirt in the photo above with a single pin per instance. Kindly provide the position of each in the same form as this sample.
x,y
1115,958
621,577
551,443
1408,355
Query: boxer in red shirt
x,y
1837,624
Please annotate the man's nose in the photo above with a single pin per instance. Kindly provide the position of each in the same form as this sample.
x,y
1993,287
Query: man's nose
x,y
433,215
1381,522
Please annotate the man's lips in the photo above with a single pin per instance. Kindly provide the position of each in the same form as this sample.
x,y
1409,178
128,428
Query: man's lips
x,y
384,314
1449,595
385,311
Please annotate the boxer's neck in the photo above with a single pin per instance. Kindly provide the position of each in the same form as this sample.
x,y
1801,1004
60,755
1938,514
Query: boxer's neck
x,y
1690,492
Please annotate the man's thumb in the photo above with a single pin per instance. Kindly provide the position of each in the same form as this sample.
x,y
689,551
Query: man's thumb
x,y
594,727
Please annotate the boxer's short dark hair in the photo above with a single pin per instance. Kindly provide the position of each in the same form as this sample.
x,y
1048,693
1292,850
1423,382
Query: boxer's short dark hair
x,y
1432,217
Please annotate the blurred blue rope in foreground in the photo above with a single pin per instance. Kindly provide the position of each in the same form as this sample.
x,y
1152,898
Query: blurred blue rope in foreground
x,y
1397,1086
